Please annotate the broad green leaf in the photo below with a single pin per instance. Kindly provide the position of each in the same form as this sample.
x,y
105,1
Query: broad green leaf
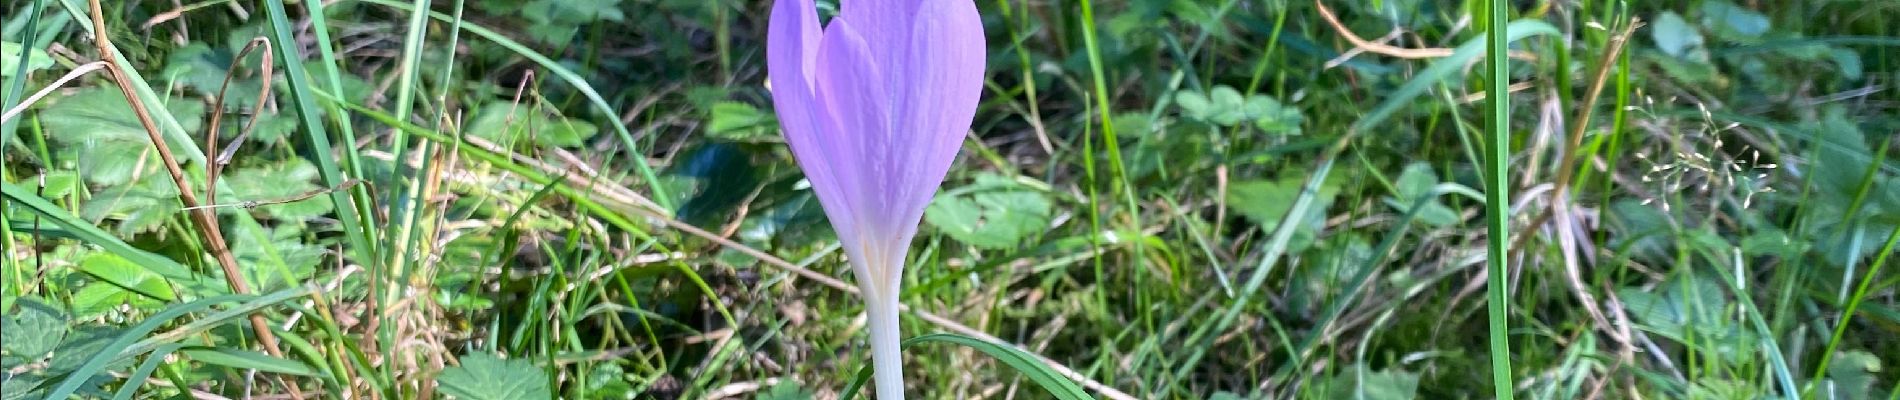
x,y
24,199
139,207
1360,382
1853,376
102,298
1195,105
1733,23
10,53
32,331
116,270
786,389
112,143
1677,38
734,120
1848,61
482,376
1266,202
507,123
281,181
999,216
246,359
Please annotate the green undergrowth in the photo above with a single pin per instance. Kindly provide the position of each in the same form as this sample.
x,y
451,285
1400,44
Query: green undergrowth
x,y
1176,199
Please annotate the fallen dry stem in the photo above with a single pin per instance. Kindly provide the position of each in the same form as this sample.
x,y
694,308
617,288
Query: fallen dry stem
x,y
204,218
82,70
1361,44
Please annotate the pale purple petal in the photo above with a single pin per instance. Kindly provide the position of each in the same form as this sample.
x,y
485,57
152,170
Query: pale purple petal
x,y
850,93
791,62
942,71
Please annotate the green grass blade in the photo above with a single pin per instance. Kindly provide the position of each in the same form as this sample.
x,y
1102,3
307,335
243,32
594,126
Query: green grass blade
x,y
97,363
305,103
137,379
1497,206
1057,385
625,135
168,125
1276,246
88,233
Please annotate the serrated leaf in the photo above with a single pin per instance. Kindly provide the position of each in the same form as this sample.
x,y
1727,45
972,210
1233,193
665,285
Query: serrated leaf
x,y
99,123
1266,202
248,360
268,183
99,298
484,377
34,330
508,123
118,271
1000,216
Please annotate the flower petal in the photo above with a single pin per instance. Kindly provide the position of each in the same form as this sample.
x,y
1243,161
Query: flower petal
x,y
941,70
854,118
791,62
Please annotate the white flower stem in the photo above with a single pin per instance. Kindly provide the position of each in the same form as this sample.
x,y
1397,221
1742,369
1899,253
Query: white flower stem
x,y
887,357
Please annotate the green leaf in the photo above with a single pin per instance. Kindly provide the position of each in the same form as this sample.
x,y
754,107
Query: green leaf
x,y
482,376
1677,38
1733,23
506,124
1848,61
285,180
1266,202
36,59
100,298
786,389
247,360
114,145
996,215
1023,362
1853,375
116,270
1360,382
32,331
733,120
1195,105
140,207
93,235
1416,183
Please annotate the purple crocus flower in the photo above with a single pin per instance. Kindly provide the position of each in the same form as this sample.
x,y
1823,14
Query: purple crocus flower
x,y
875,106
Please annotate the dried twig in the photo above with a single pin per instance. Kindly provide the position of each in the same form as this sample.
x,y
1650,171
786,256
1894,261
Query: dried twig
x,y
205,219
1361,44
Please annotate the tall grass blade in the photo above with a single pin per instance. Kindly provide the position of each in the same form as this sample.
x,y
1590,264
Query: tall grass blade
x,y
305,102
1497,206
625,135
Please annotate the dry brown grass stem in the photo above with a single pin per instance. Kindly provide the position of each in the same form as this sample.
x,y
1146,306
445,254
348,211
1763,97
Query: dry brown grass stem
x,y
1362,45
204,218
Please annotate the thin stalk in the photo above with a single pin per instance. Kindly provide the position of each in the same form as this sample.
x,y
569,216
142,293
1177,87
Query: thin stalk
x,y
1497,194
887,354
205,218
1853,304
